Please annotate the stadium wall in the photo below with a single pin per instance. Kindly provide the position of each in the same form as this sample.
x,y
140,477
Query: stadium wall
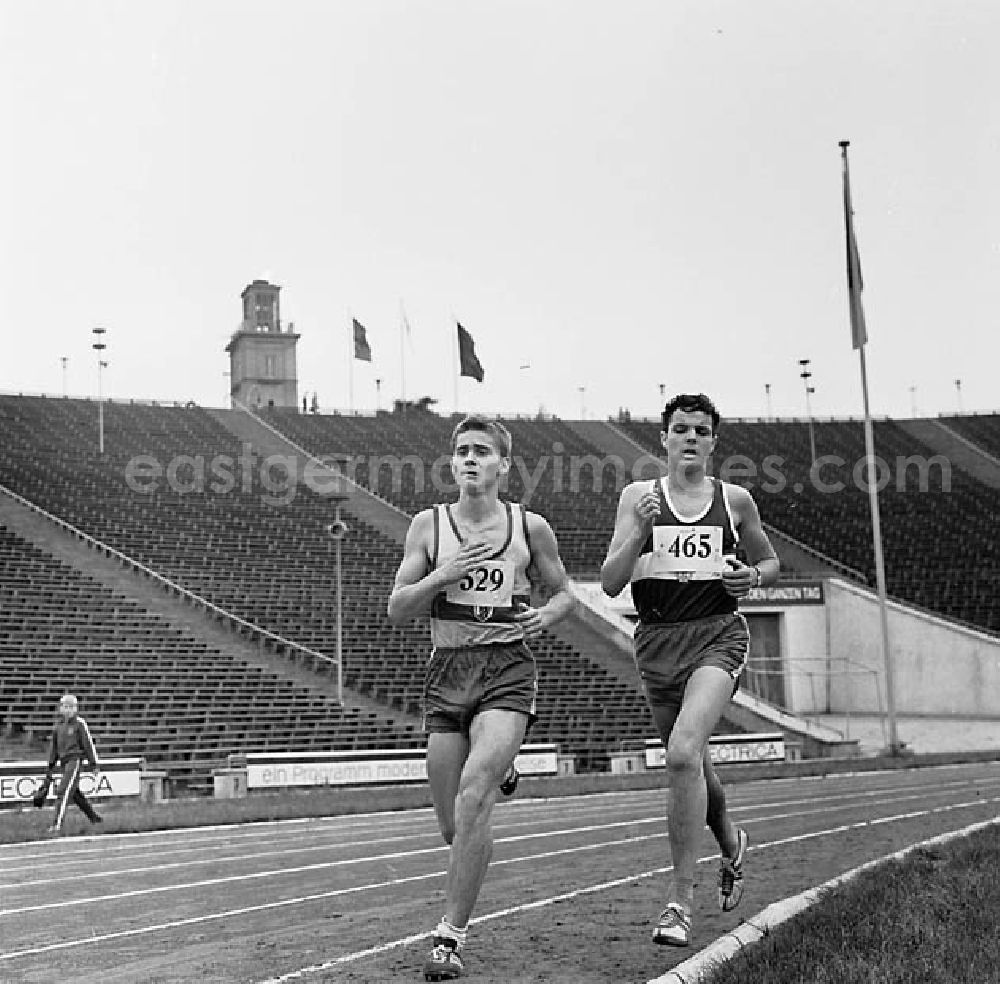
x,y
831,655
803,654
939,667
803,628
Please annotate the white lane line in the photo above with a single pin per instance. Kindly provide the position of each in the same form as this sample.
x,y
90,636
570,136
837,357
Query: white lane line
x,y
98,847
333,893
78,877
321,866
213,860
540,903
591,889
101,846
250,830
258,829
210,847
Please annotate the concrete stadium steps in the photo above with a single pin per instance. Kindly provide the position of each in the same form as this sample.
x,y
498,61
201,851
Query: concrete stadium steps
x,y
981,429
275,436
67,475
172,615
956,439
410,455
273,564
148,686
606,702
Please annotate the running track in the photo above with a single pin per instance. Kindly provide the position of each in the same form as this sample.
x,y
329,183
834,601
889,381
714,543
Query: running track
x,y
574,886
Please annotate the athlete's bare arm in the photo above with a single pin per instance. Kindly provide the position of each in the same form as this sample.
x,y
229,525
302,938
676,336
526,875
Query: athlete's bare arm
x,y
740,578
548,567
638,506
416,584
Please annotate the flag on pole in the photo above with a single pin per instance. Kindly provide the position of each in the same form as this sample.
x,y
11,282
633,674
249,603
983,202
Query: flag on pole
x,y
468,362
404,334
859,337
362,350
859,330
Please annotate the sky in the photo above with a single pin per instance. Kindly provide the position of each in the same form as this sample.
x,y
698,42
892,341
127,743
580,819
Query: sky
x,y
614,198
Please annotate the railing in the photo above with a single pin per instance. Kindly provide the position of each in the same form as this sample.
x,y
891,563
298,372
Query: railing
x,y
323,411
319,662
966,413
121,401
530,415
832,419
802,666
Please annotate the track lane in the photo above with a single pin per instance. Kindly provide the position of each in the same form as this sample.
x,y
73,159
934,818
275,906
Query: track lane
x,y
536,860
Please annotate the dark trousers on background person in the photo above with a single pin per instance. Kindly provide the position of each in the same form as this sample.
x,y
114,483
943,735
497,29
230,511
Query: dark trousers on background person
x,y
69,789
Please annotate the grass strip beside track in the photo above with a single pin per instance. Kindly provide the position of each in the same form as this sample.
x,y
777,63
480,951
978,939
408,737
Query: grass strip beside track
x,y
927,913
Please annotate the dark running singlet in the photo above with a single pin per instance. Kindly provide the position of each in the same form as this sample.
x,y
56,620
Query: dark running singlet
x,y
677,577
479,609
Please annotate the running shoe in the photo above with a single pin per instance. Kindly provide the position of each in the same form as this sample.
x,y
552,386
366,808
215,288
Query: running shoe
x,y
510,780
731,874
673,928
444,962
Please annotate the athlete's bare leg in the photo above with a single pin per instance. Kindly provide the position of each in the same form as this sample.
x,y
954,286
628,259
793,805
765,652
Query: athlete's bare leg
x,y
446,755
494,738
717,813
708,692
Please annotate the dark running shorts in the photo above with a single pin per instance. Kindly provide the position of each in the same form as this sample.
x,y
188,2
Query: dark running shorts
x,y
666,654
459,683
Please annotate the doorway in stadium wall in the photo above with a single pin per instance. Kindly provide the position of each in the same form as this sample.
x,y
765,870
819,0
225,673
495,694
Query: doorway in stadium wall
x,y
764,676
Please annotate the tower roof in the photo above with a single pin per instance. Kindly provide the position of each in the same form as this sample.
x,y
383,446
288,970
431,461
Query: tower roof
x,y
259,283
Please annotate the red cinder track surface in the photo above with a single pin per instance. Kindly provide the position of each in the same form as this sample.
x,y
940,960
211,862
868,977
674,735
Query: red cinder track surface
x,y
571,896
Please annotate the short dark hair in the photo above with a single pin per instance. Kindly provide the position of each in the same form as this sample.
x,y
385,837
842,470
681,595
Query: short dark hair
x,y
491,426
691,403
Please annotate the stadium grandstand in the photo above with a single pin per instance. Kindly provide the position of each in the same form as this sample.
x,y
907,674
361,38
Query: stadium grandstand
x,y
183,583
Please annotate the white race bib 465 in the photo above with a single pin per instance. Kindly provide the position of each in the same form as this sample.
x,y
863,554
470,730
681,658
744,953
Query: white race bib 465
x,y
686,553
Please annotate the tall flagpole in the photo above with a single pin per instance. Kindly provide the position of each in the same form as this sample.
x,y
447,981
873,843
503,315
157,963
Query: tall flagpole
x,y
895,747
859,333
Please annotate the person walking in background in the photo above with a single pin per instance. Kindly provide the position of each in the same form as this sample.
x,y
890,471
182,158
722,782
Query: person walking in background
x,y
675,539
466,564
70,746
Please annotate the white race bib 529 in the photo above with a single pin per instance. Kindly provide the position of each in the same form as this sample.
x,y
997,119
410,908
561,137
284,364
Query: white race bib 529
x,y
491,583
